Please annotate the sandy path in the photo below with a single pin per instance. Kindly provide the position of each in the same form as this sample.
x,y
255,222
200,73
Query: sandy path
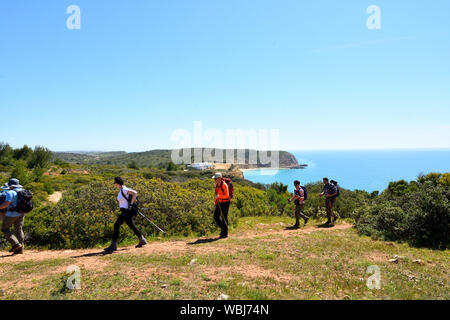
x,y
88,257
55,197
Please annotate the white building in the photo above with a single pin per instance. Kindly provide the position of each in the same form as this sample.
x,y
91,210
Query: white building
x,y
201,166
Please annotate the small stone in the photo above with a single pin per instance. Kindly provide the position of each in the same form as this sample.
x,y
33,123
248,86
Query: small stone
x,y
347,298
193,261
164,286
411,277
223,297
418,261
395,260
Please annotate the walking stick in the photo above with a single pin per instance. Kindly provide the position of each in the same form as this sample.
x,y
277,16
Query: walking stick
x,y
145,217
221,214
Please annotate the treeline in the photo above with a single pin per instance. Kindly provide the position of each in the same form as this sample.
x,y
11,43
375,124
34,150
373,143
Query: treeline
x,y
417,212
19,162
32,158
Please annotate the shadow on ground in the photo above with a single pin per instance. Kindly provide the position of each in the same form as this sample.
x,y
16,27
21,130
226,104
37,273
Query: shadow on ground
x,y
200,241
97,254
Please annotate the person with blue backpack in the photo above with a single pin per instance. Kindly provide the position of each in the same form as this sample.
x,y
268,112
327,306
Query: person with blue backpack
x,y
299,197
13,217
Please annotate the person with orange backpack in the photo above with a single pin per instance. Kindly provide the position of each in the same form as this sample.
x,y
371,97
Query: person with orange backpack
x,y
224,193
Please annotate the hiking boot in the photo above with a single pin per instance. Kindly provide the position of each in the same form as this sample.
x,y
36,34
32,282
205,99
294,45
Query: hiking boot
x,y
18,250
306,220
223,236
112,247
14,247
142,242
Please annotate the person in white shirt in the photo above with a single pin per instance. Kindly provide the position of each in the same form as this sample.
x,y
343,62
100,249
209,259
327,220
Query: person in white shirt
x,y
127,198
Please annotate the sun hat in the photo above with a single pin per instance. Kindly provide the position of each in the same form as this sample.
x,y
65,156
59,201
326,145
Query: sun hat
x,y
14,183
5,187
217,175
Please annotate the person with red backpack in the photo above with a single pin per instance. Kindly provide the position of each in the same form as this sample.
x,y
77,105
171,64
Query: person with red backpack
x,y
224,193
300,195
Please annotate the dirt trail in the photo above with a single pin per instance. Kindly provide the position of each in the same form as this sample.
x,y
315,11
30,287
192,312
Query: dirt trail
x,y
90,258
55,197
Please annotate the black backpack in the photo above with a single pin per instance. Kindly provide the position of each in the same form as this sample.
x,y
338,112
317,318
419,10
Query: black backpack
x,y
24,202
338,188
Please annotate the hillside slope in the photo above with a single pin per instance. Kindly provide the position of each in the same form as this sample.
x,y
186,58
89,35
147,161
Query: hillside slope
x,y
156,158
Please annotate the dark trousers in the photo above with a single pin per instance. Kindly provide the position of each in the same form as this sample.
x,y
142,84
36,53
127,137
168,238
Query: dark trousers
x,y
329,204
299,213
221,216
17,222
125,216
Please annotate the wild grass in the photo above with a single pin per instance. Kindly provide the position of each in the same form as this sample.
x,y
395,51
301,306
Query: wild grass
x,y
261,260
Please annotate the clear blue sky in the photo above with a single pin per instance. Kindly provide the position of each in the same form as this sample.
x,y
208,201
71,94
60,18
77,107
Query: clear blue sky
x,y
138,70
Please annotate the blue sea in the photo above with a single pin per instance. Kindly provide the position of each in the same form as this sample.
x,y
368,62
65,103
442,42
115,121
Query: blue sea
x,y
362,170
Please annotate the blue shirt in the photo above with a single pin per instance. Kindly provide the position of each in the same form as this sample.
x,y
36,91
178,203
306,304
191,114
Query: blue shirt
x,y
11,196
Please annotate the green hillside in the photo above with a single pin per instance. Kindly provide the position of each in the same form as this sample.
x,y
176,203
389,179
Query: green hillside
x,y
161,158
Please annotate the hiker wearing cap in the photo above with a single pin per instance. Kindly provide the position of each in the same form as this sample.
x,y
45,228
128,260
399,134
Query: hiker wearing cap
x,y
127,199
299,200
330,192
222,203
12,217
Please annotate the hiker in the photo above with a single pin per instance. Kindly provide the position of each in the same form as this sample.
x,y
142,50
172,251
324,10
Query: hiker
x,y
299,200
127,200
12,217
222,203
330,193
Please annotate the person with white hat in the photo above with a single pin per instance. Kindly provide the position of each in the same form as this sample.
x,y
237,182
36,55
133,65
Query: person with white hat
x,y
13,218
222,202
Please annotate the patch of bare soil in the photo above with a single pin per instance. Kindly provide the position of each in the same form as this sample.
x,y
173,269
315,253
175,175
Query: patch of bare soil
x,y
55,197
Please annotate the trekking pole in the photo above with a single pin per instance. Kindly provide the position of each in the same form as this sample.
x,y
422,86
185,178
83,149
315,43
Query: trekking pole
x,y
221,213
145,217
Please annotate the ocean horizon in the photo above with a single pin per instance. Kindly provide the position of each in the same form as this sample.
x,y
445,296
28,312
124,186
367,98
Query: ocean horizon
x,y
369,170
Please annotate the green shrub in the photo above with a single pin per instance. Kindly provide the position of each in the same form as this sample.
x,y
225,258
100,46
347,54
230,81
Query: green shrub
x,y
419,214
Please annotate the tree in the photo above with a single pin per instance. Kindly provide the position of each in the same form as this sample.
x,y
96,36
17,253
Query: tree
x,y
23,153
6,153
20,172
133,165
171,166
40,158
279,187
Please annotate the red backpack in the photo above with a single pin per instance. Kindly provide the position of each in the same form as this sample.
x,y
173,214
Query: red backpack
x,y
230,186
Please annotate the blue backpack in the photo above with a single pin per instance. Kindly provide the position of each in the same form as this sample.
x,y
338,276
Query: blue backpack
x,y
305,191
